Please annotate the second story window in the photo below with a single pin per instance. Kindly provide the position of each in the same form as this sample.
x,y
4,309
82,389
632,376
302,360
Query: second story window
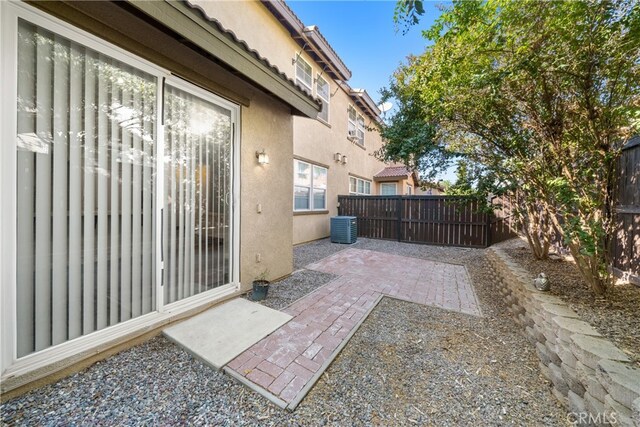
x,y
322,90
355,126
303,73
360,130
352,121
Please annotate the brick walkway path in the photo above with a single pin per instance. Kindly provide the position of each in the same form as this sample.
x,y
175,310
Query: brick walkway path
x,y
286,364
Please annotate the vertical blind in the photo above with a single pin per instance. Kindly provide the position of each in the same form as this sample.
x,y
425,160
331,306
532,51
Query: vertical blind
x,y
86,182
196,229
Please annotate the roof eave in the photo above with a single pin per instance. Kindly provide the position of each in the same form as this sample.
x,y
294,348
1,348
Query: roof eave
x,y
362,98
633,141
193,24
390,178
309,37
332,60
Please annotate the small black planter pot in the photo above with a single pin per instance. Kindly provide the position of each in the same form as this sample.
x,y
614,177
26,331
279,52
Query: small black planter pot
x,y
260,290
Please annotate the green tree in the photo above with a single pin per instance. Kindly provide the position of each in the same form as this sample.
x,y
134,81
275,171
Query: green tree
x,y
409,137
464,181
543,95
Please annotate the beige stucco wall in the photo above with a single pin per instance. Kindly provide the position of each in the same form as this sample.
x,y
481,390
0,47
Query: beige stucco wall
x,y
266,124
425,192
314,141
251,22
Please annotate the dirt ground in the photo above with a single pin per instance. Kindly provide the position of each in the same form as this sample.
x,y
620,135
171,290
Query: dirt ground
x,y
616,315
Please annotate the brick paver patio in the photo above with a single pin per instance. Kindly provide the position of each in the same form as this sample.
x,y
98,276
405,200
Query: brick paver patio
x,y
286,364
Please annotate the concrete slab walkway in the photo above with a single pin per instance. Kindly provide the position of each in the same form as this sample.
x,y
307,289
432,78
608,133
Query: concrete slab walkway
x,y
285,365
214,339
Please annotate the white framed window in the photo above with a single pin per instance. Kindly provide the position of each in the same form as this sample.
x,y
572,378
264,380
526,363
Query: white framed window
x,y
359,186
304,74
388,189
409,190
360,130
323,91
309,187
352,117
355,126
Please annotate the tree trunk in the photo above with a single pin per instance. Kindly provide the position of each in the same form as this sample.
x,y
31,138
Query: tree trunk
x,y
587,265
536,230
599,280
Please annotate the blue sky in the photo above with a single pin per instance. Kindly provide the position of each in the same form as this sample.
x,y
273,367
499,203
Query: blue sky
x,y
363,34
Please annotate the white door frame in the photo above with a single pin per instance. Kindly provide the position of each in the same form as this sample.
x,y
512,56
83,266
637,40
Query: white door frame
x,y
235,216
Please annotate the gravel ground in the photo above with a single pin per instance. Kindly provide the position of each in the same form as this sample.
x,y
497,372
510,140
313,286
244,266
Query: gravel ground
x,y
615,316
314,251
407,365
433,367
285,292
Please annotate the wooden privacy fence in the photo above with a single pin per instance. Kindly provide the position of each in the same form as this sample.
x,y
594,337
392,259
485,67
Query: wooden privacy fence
x,y
626,245
434,220
457,221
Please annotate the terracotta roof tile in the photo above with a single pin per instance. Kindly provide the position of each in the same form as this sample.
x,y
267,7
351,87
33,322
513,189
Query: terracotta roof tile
x,y
393,172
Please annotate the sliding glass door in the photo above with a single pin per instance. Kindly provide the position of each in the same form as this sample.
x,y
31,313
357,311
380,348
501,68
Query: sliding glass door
x,y
197,225
86,180
104,170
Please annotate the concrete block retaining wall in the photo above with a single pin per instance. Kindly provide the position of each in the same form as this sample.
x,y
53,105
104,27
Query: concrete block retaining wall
x,y
592,377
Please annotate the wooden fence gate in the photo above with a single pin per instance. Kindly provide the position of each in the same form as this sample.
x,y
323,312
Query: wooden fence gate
x,y
434,220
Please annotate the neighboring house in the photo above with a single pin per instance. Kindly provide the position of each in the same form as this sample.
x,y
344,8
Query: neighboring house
x,y
132,193
430,189
396,180
399,180
333,152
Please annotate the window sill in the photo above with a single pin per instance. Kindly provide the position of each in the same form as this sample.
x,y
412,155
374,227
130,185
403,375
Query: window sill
x,y
304,85
323,122
362,147
324,212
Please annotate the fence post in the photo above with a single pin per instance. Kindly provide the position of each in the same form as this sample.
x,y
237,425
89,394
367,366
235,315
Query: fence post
x,y
340,206
400,214
488,234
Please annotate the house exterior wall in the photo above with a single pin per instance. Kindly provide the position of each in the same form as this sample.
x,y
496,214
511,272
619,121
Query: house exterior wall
x,y
252,22
315,141
266,124
429,192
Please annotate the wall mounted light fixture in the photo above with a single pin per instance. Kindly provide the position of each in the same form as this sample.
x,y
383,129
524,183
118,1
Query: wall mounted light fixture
x,y
344,160
338,157
263,157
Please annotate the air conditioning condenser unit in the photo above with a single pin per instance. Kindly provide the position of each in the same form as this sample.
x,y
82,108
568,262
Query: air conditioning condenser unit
x,y
344,229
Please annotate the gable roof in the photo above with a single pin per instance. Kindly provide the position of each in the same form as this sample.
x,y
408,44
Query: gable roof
x,y
393,172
